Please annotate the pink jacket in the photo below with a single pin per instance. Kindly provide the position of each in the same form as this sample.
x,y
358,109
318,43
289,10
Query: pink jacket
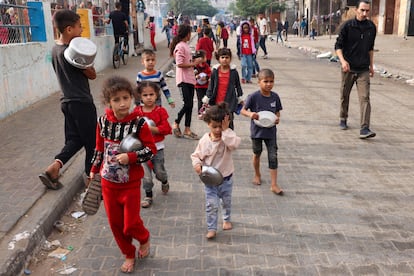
x,y
182,55
217,154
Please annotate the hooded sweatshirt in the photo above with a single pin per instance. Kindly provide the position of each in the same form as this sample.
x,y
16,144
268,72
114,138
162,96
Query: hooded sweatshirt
x,y
247,40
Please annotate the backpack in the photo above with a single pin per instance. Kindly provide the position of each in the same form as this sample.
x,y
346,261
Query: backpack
x,y
224,33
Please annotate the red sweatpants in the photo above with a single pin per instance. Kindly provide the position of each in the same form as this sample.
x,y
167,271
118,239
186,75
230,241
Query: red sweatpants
x,y
123,210
152,35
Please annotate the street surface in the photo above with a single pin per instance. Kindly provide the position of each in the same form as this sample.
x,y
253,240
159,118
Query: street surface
x,y
348,204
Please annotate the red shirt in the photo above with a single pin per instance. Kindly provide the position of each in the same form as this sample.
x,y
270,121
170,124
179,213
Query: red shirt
x,y
223,83
206,44
246,44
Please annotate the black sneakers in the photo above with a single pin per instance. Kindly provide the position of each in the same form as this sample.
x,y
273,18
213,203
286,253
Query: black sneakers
x,y
343,125
366,133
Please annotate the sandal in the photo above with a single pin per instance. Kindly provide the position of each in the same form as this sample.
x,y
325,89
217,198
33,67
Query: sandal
x,y
128,266
165,188
93,196
144,250
147,202
49,182
191,136
177,132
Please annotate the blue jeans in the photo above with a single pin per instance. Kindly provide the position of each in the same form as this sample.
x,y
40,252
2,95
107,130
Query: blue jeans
x,y
213,196
247,67
158,168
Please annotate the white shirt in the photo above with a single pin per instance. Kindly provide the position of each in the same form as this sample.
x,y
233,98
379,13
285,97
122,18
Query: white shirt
x,y
263,26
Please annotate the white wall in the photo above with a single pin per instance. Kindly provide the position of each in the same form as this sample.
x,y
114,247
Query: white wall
x,y
26,71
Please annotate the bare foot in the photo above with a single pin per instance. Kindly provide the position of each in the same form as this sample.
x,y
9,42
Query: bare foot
x,y
275,189
211,234
53,170
256,180
144,250
227,225
128,266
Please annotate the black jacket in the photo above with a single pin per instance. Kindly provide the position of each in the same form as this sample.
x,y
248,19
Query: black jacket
x,y
356,39
234,90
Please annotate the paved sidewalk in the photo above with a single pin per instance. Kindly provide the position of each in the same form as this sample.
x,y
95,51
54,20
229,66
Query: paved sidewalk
x,y
393,55
32,136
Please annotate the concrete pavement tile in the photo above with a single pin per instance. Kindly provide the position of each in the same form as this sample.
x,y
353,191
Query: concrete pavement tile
x,y
339,270
214,262
398,268
309,270
280,260
312,259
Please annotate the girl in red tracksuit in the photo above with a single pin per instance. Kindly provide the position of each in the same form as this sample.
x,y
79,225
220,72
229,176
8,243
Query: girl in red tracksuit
x,y
121,173
151,27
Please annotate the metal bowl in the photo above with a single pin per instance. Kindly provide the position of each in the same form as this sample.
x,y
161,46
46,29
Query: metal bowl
x,y
81,52
266,119
130,143
149,121
211,176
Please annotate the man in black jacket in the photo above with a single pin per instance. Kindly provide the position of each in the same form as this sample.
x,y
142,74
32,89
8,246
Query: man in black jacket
x,y
355,49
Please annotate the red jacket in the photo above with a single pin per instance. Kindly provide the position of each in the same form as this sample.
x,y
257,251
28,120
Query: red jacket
x,y
206,44
160,117
203,68
109,133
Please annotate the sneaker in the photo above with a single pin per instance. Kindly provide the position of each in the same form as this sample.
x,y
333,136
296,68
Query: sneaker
x,y
343,125
265,57
366,133
243,81
165,187
147,202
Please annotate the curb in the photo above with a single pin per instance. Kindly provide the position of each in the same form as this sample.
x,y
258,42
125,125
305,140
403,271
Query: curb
x,y
37,223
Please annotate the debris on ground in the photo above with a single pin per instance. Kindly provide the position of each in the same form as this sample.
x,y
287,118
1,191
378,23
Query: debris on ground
x,y
325,55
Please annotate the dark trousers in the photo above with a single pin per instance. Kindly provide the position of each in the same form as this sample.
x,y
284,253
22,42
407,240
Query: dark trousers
x,y
80,131
262,43
201,92
187,93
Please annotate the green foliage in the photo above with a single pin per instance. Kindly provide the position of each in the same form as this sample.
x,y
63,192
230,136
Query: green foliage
x,y
254,7
192,7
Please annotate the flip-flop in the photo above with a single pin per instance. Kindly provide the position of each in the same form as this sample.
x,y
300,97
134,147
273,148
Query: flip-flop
x,y
191,136
49,182
128,267
177,132
144,250
93,196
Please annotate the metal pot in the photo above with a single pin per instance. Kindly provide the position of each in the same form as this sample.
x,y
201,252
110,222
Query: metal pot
x,y
211,176
81,52
130,143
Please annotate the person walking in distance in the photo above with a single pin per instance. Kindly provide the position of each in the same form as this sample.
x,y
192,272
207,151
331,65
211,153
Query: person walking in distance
x,y
355,49
264,32
76,103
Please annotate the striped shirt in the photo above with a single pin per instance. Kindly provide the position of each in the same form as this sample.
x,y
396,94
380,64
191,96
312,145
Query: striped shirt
x,y
157,77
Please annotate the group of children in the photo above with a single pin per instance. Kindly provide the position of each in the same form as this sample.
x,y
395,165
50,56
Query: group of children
x,y
122,172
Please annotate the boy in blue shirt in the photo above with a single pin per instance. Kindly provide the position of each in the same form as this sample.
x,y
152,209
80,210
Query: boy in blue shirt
x,y
264,100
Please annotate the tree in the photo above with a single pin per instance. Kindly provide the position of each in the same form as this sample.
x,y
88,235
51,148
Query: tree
x,y
254,7
192,7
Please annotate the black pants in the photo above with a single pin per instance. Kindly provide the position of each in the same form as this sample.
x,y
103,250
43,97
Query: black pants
x,y
116,37
187,93
201,92
80,131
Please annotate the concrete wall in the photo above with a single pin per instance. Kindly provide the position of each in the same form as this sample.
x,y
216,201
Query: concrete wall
x,y
26,71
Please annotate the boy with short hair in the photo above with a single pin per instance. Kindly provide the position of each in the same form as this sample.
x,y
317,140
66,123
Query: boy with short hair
x,y
148,59
76,103
264,100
